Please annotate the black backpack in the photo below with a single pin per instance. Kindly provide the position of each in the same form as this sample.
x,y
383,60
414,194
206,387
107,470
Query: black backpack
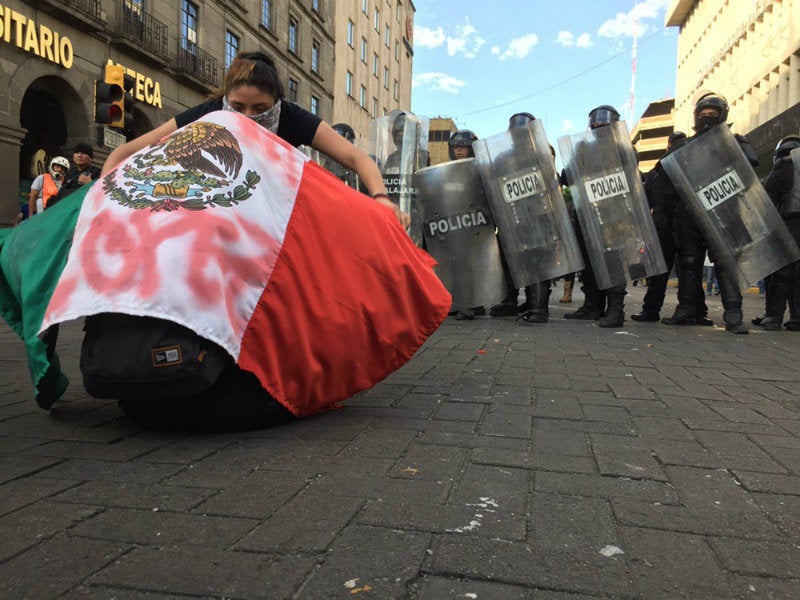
x,y
127,357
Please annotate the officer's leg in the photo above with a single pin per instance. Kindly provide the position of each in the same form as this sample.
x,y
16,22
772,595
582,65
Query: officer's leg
x,y
615,313
538,296
731,301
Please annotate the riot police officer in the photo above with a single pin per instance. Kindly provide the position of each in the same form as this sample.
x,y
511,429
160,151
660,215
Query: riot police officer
x,y
710,111
783,186
346,175
607,307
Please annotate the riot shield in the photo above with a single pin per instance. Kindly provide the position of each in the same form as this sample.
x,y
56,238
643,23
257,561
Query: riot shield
x,y
518,173
460,233
612,208
395,147
348,176
723,194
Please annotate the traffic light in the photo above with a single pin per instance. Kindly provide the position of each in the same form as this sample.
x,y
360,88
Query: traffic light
x,y
129,82
109,101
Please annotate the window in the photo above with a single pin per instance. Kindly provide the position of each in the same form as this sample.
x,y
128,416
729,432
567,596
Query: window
x,y
315,56
376,17
397,51
293,85
189,26
399,12
362,97
386,77
375,65
314,108
231,48
374,107
350,28
364,50
387,35
293,35
315,5
349,84
133,7
266,13
364,6
396,91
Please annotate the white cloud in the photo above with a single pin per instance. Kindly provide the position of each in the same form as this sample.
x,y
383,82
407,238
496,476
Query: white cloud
x,y
438,81
428,38
495,50
625,24
520,47
465,41
566,38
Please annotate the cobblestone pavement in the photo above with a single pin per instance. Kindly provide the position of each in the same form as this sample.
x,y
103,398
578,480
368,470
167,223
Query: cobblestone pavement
x,y
504,462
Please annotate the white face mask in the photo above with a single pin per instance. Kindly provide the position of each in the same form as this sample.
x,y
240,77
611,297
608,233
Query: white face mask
x,y
268,119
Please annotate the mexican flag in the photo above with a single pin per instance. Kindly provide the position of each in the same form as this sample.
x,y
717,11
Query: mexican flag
x,y
224,228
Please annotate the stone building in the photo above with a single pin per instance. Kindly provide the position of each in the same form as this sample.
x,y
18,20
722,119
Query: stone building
x,y
651,133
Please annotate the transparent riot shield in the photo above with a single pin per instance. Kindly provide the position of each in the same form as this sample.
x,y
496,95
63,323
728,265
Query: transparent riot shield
x,y
395,147
609,198
348,176
460,233
518,173
722,192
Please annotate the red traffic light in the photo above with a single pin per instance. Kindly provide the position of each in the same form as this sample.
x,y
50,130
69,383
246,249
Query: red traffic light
x,y
109,103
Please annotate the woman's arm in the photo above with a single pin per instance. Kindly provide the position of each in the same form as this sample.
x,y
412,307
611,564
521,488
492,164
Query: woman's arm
x,y
124,151
327,141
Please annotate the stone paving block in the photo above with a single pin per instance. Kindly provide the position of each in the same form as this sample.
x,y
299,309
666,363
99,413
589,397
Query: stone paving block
x,y
16,466
674,565
732,426
557,404
424,424
175,571
187,450
459,411
610,414
120,451
479,518
792,426
572,443
625,461
645,408
385,560
101,470
437,438
782,509
729,444
13,444
430,463
684,406
769,482
133,495
775,441
28,526
562,522
383,443
505,487
769,588
55,566
706,488
513,424
534,461
605,487
759,557
307,523
89,592
441,588
257,495
789,458
157,527
695,519
586,426
357,484
21,492
516,564
667,428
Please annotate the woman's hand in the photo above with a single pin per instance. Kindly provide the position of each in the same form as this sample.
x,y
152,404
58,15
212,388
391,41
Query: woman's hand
x,y
404,218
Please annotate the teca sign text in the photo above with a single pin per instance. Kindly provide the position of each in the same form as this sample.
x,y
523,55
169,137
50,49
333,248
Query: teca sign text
x,y
719,190
457,222
16,28
606,186
524,186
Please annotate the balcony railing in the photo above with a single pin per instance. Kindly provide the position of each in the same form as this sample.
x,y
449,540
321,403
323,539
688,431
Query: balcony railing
x,y
197,62
151,33
88,7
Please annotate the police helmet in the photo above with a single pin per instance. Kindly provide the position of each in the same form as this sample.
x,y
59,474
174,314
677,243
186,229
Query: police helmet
x,y
602,115
344,130
786,145
60,161
462,138
710,100
520,119
398,125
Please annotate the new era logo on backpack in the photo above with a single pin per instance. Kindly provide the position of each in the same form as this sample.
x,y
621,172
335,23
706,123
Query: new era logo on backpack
x,y
163,357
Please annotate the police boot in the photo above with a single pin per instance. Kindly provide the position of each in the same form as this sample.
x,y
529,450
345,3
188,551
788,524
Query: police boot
x,y
593,306
775,303
615,314
683,315
793,324
731,304
646,315
507,306
566,298
538,296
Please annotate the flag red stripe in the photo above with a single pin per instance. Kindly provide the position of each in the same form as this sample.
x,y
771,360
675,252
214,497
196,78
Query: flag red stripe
x,y
349,301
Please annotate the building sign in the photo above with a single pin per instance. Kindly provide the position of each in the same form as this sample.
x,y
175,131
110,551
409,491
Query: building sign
x,y
23,32
144,89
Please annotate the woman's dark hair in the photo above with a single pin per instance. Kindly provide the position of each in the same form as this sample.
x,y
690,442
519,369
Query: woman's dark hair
x,y
252,68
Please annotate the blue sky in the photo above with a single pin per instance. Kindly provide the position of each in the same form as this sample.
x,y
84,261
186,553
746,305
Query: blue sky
x,y
480,62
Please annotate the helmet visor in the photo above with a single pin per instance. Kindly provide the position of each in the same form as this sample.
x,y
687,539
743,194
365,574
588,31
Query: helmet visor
x,y
518,121
602,116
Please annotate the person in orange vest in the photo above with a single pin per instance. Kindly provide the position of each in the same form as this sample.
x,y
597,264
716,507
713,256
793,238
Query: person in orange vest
x,y
47,185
